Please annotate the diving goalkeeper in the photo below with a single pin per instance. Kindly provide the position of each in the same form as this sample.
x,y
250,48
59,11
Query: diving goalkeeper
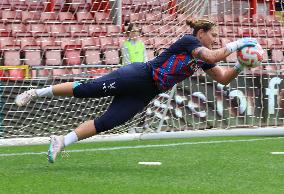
x,y
135,85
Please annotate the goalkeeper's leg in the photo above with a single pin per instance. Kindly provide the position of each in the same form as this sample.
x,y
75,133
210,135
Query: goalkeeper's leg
x,y
124,81
121,110
64,89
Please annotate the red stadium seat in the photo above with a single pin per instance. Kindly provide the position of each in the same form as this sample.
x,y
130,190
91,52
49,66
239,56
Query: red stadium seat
x,y
166,30
259,31
72,56
149,30
77,30
18,5
18,29
275,43
181,30
181,18
153,18
12,58
5,4
259,19
161,43
154,5
263,42
228,30
148,41
53,57
78,5
97,30
33,5
277,31
16,74
140,5
65,41
113,30
6,42
92,57
244,20
119,41
43,42
164,5
61,6
169,19
33,58
127,3
30,16
27,41
116,42
230,19
11,16
58,30
66,17
150,54
265,56
90,43
277,56
106,43
92,52
49,17
244,31
85,17
38,29
102,18
272,20
138,18
3,28
111,57
217,19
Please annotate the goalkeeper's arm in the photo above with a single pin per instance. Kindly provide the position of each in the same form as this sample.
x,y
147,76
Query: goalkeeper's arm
x,y
225,75
214,56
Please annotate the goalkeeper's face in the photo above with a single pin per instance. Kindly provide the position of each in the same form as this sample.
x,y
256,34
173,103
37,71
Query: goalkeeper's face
x,y
209,38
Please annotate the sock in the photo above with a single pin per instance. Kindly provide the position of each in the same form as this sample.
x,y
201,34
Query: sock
x,y
70,138
45,92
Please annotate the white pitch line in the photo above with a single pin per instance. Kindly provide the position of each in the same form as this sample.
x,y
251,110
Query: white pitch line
x,y
144,146
277,153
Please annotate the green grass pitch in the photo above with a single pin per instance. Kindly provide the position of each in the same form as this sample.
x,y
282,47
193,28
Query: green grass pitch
x,y
196,165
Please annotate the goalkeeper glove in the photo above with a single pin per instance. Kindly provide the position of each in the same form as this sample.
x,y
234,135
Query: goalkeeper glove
x,y
241,43
238,68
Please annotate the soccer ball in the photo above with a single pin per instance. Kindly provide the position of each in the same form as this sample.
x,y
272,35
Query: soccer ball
x,y
251,56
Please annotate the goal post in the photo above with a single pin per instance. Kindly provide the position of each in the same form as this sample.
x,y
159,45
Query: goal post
x,y
84,48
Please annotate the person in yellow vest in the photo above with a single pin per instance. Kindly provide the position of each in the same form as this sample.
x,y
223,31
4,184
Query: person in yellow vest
x,y
133,49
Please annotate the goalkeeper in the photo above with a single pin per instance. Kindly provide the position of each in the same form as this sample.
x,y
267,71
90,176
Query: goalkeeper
x,y
135,85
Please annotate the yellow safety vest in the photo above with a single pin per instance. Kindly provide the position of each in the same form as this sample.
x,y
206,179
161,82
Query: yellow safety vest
x,y
135,51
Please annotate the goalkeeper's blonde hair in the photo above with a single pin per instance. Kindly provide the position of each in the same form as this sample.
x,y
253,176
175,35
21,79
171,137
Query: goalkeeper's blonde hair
x,y
198,24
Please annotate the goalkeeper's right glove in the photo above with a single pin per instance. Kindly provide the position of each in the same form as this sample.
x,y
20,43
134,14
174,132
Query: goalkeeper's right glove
x,y
241,43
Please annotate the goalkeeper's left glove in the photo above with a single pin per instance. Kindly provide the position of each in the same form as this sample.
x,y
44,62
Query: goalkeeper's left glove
x,y
239,68
241,43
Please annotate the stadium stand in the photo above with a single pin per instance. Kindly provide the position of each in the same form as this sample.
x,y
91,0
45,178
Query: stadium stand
x,y
77,28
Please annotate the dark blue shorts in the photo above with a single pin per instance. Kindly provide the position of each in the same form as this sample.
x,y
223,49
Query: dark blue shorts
x,y
132,87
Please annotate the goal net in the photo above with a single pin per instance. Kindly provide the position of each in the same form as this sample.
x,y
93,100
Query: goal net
x,y
50,42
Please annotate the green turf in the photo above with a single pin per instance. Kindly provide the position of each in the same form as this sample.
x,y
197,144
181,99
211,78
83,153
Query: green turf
x,y
232,167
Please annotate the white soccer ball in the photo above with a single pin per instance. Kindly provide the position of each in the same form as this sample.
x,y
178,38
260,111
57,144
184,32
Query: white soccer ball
x,y
251,56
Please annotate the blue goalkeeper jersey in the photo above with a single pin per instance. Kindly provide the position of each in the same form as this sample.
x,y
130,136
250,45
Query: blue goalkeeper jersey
x,y
176,63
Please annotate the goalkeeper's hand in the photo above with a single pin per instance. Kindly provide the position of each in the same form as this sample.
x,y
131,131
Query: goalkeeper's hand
x,y
241,43
239,67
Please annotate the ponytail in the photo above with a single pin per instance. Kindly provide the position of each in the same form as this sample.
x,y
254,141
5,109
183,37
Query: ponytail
x,y
199,24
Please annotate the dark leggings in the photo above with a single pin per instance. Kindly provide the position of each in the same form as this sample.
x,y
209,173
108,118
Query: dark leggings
x,y
132,87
